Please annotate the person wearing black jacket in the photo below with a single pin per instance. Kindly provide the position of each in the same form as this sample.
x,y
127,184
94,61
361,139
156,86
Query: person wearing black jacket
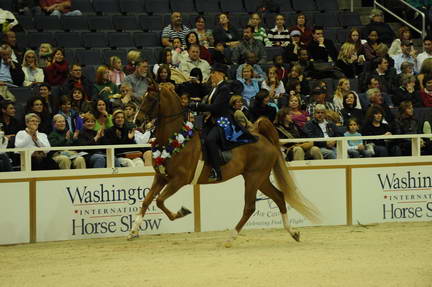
x,y
16,75
321,49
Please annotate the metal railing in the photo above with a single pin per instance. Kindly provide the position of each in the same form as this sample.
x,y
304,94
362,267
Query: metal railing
x,y
341,151
422,32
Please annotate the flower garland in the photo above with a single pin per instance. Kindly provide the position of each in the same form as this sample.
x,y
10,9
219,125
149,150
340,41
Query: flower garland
x,y
175,144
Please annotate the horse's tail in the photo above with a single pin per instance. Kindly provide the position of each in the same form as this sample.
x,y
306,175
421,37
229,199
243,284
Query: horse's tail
x,y
284,179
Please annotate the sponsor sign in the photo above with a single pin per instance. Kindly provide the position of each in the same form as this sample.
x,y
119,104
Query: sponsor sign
x,y
14,213
392,194
92,208
222,204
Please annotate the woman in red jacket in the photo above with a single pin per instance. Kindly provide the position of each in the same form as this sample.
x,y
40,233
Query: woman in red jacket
x,y
57,72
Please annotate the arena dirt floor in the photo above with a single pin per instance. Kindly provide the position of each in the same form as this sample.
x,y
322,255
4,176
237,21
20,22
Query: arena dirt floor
x,y
396,254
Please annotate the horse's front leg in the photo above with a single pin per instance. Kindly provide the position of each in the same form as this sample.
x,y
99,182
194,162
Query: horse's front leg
x,y
170,189
157,185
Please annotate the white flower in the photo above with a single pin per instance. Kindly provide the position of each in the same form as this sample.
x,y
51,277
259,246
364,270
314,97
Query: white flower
x,y
165,154
189,125
156,154
180,138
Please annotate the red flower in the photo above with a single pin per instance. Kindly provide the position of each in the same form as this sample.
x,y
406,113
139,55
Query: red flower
x,y
175,143
159,161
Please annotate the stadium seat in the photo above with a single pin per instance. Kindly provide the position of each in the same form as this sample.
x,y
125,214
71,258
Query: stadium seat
x,y
131,6
328,19
327,5
26,22
47,23
106,6
7,5
342,36
70,55
285,6
251,5
146,39
94,40
75,23
100,23
332,34
108,53
84,6
239,19
21,39
184,6
125,23
34,39
120,40
304,5
68,39
149,55
88,57
89,71
232,6
151,23
157,6
273,51
347,19
207,6
22,95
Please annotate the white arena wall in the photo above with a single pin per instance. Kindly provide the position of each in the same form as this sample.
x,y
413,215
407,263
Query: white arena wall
x,y
38,206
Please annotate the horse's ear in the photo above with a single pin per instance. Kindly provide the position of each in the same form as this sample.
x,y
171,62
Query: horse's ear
x,y
153,86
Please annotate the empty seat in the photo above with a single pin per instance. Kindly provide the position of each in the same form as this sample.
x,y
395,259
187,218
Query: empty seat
x,y
342,35
89,71
125,23
108,53
273,51
21,39
285,6
34,39
94,40
303,5
83,5
239,19
68,39
332,34
232,6
131,6
47,23
120,40
88,57
22,95
149,55
206,6
157,6
251,5
100,23
26,22
106,6
184,6
347,19
151,23
75,23
146,39
327,5
70,55
326,20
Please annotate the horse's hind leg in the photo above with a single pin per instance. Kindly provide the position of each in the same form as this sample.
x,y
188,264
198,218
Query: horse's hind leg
x,y
157,185
277,196
169,190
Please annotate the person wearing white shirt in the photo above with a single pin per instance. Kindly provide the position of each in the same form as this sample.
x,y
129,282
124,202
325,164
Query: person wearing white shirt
x,y
427,46
32,138
33,75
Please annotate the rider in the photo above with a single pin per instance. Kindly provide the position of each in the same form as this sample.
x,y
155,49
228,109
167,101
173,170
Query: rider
x,y
218,105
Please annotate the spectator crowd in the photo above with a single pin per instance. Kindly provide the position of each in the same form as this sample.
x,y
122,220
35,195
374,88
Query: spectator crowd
x,y
371,84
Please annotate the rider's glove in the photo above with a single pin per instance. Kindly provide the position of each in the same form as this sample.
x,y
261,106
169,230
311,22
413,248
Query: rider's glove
x,y
193,106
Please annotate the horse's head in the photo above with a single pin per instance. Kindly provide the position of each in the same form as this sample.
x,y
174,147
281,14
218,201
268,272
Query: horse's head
x,y
161,101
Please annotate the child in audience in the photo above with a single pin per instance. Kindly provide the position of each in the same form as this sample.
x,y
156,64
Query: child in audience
x,y
356,148
116,75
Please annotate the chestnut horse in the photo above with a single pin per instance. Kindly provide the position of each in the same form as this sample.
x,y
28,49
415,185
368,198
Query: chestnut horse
x,y
253,161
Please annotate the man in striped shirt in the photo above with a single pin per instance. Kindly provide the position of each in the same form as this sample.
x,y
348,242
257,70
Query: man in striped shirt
x,y
279,35
175,29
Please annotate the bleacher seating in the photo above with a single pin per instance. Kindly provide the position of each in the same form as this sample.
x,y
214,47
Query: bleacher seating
x,y
131,6
107,53
34,39
157,6
47,23
327,5
94,40
303,5
100,23
106,6
84,6
68,39
183,6
329,19
75,23
207,6
125,23
232,6
88,57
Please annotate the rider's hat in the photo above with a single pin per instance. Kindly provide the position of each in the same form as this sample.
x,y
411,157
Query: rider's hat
x,y
217,67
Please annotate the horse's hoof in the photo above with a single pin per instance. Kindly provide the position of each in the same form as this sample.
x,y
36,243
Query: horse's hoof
x,y
132,235
296,236
184,211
